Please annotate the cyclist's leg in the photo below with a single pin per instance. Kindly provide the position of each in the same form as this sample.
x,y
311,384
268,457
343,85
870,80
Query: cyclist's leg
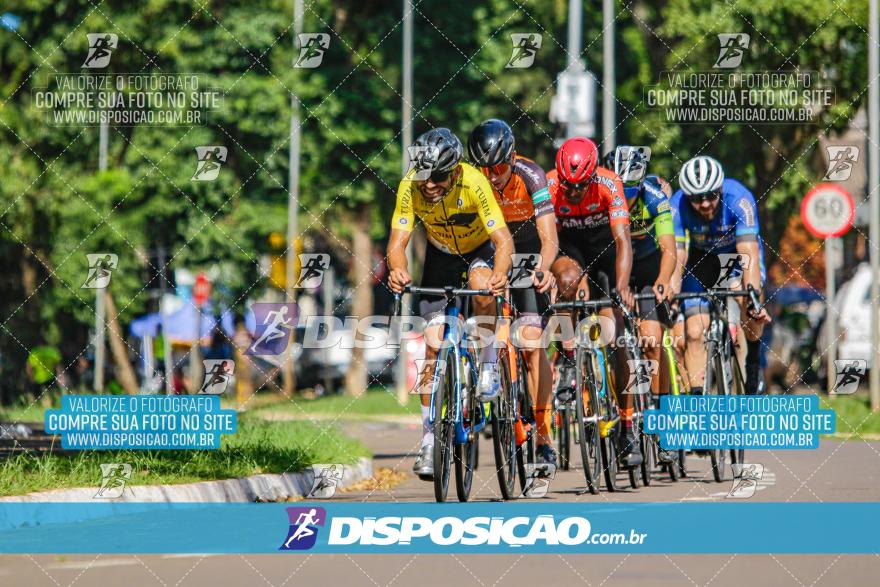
x,y
483,308
678,346
440,269
644,274
570,278
530,335
753,330
701,273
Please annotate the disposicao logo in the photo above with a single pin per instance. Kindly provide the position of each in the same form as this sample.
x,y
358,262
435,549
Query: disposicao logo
x,y
303,532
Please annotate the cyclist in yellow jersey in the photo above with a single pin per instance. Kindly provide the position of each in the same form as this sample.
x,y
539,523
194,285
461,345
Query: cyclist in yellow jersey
x,y
467,235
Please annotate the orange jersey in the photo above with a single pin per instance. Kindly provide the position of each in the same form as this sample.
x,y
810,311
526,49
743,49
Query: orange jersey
x,y
590,220
525,194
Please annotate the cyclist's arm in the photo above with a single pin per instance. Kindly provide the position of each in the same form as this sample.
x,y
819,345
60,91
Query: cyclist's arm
x,y
503,242
545,218
401,230
747,235
618,213
657,198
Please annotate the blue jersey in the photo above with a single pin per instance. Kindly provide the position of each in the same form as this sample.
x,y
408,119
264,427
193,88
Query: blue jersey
x,y
736,220
648,215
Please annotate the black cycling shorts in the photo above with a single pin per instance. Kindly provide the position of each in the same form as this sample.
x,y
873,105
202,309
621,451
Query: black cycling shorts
x,y
443,269
642,278
599,263
526,300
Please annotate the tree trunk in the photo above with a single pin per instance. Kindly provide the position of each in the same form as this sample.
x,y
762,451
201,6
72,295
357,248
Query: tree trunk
x,y
124,372
244,385
362,303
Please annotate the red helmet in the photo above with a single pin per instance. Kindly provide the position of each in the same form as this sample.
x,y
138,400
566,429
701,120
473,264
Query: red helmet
x,y
576,160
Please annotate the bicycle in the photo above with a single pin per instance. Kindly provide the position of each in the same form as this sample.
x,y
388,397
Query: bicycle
x,y
596,415
723,373
513,415
456,413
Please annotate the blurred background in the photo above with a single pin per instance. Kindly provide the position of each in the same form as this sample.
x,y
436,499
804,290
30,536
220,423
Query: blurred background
x,y
60,199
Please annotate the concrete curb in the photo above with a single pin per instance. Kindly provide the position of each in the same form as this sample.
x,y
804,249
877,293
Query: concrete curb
x,y
266,487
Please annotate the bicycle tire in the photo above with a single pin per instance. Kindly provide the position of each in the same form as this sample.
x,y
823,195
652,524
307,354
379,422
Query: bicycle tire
x,y
718,457
444,429
609,442
590,436
526,451
564,441
465,455
737,456
504,435
648,445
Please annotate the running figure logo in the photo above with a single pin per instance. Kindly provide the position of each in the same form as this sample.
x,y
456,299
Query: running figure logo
x,y
842,160
303,532
733,47
640,373
850,373
275,322
210,159
101,46
523,269
311,49
312,267
218,372
422,158
114,477
634,163
538,478
101,267
430,373
732,267
326,480
525,48
745,481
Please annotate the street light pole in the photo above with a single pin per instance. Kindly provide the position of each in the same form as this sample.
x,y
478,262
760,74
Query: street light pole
x,y
100,308
406,141
292,203
873,182
608,99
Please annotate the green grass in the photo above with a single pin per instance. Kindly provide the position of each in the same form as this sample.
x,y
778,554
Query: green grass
x,y
375,402
853,413
258,447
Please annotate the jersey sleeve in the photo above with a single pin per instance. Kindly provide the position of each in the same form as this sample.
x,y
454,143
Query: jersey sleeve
x,y
487,205
675,204
618,211
658,207
404,217
535,181
746,210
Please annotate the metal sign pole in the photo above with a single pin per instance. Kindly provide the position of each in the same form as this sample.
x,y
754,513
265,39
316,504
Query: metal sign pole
x,y
830,311
873,182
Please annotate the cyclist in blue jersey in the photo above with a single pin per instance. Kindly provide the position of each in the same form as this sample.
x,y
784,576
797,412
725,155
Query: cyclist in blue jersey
x,y
654,254
718,219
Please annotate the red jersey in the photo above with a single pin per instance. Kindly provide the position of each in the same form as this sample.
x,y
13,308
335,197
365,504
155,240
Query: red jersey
x,y
590,220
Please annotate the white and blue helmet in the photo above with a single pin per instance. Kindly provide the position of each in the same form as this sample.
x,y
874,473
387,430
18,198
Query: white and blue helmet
x,y
701,175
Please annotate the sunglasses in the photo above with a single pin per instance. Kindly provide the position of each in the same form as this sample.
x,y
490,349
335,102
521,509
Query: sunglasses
x,y
575,186
496,170
707,197
440,176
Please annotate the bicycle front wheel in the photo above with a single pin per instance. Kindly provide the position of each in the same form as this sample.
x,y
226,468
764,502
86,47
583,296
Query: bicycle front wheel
x,y
504,417
589,432
444,427
716,384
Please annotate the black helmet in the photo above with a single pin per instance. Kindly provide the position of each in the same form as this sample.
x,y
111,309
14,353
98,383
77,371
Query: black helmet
x,y
443,154
491,143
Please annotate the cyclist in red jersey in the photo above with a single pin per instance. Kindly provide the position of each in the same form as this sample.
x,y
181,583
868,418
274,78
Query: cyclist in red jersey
x,y
595,254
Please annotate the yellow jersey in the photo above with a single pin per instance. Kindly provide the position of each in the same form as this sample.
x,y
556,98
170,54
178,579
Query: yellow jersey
x,y
458,223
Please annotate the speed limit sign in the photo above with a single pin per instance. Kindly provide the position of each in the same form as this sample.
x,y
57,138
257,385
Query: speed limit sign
x,y
828,211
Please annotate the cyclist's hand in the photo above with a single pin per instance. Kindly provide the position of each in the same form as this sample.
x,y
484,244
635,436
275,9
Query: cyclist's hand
x,y
398,279
761,316
546,284
664,294
497,283
626,296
